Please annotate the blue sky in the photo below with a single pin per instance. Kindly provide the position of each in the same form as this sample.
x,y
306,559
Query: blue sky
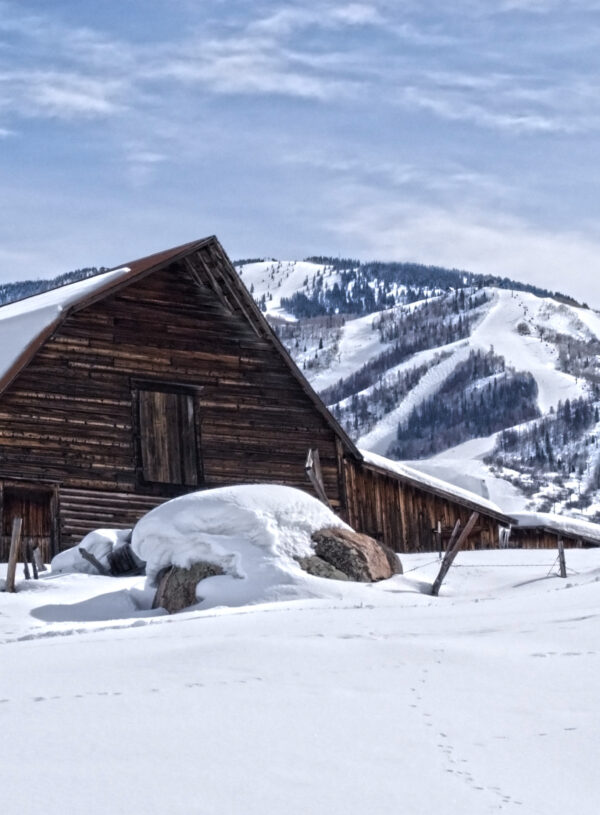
x,y
462,133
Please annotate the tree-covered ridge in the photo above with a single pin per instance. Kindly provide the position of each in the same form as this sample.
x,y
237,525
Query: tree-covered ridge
x,y
550,443
364,288
479,398
556,458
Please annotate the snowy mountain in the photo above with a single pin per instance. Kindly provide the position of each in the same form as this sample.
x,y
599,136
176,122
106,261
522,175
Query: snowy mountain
x,y
468,377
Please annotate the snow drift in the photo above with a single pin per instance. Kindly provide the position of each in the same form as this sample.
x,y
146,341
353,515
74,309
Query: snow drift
x,y
252,532
100,543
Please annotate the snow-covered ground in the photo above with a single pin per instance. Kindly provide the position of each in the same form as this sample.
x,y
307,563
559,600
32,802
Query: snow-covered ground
x,y
384,700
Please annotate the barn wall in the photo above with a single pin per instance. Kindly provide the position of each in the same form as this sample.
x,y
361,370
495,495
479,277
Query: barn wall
x,y
531,538
405,517
68,417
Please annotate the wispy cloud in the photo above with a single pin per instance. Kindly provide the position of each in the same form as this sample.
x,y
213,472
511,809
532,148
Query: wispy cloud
x,y
516,103
443,179
59,94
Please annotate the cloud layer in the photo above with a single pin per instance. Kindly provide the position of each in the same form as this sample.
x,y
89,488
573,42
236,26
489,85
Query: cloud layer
x,y
405,129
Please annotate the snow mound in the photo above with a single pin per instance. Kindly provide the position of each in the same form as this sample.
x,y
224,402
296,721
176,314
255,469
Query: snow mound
x,y
99,543
252,532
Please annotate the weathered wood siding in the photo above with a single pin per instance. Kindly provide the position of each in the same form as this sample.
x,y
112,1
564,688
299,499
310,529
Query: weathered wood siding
x,y
68,416
405,517
534,538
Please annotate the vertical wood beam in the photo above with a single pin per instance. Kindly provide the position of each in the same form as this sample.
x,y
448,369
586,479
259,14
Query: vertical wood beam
x,y
453,549
13,557
561,558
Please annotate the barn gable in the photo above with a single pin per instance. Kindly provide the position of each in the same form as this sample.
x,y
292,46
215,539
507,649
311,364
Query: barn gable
x,y
161,378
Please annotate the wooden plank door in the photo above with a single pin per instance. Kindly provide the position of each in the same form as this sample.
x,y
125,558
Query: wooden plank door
x,y
34,506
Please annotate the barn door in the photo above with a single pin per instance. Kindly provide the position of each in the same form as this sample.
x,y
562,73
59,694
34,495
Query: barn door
x,y
34,506
167,437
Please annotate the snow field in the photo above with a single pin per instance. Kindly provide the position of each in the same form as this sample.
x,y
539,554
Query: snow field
x,y
482,700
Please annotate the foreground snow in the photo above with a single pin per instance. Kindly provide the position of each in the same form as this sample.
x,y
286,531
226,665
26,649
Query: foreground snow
x,y
383,700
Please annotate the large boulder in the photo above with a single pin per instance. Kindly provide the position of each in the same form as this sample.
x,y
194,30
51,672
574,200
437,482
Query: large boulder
x,y
177,586
320,568
358,556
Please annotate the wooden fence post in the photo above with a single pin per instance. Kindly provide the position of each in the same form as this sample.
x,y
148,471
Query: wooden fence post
x,y
452,551
561,558
315,475
13,556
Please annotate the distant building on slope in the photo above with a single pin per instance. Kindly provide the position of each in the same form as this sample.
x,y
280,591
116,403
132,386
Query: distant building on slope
x,y
161,377
541,530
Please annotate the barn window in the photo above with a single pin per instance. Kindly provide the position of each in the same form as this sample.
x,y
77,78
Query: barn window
x,y
168,439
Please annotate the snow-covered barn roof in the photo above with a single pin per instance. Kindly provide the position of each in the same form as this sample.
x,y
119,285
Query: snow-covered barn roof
x,y
27,324
430,483
559,524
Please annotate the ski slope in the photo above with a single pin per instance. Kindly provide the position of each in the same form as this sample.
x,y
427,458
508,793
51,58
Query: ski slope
x,y
385,431
498,329
358,344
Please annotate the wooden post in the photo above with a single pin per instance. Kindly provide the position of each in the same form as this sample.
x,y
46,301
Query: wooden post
x,y
315,475
94,561
561,558
39,565
33,563
439,538
453,536
26,546
13,557
452,551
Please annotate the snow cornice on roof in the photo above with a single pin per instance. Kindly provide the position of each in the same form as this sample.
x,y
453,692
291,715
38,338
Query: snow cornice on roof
x,y
434,485
559,525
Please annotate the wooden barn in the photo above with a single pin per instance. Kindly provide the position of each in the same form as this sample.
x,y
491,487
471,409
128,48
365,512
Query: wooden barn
x,y
161,377
544,530
415,512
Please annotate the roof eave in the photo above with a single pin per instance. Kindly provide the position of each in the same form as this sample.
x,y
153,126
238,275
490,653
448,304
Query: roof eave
x,y
506,520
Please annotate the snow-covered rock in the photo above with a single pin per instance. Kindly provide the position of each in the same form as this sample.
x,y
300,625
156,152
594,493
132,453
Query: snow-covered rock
x,y
253,533
100,543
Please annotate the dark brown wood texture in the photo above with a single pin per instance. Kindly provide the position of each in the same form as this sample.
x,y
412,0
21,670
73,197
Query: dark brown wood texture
x,y
34,506
68,417
168,448
405,517
539,538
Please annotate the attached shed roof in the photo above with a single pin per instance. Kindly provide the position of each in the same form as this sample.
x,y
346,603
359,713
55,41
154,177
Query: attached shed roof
x,y
559,525
27,324
436,486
